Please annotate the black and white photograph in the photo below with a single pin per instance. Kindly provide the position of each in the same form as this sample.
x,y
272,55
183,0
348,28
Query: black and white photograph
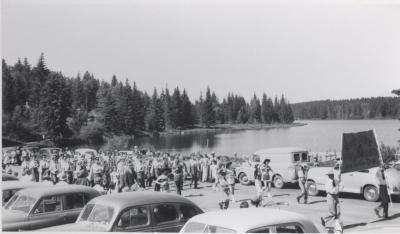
x,y
200,116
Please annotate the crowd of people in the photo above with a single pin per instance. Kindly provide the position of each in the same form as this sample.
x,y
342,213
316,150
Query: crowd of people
x,y
122,171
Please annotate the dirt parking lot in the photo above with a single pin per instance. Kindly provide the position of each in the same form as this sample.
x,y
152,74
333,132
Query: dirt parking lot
x,y
356,212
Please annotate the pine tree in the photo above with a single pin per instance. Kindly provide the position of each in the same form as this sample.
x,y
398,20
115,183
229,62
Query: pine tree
x,y
166,100
187,113
176,109
255,110
154,117
208,110
9,99
55,105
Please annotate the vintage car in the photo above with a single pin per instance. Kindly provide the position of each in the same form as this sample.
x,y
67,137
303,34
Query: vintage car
x,y
361,182
133,212
48,152
7,177
9,188
39,207
283,162
257,220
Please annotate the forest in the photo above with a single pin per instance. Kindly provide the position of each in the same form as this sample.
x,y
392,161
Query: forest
x,y
361,108
42,104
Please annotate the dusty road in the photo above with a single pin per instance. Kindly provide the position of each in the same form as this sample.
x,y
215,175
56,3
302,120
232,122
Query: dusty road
x,y
356,212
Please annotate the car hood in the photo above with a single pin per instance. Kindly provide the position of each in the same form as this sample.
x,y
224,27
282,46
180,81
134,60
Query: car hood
x,y
79,227
11,216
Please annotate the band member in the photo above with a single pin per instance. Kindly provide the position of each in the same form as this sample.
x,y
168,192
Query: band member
x,y
383,193
332,197
302,174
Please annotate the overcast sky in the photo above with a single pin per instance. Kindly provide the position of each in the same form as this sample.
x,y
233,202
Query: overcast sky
x,y
307,50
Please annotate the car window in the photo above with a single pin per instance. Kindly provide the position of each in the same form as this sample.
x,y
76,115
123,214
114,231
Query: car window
x,y
134,217
288,228
296,157
188,211
20,203
304,157
100,214
260,230
194,227
74,201
48,205
217,229
256,158
165,213
7,194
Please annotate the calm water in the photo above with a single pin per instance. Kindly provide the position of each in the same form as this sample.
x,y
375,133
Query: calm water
x,y
317,135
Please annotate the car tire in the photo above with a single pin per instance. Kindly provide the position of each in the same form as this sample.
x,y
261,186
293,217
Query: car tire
x,y
278,182
312,188
371,193
244,179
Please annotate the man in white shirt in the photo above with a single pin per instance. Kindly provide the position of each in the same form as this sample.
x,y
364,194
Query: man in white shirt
x,y
383,193
332,198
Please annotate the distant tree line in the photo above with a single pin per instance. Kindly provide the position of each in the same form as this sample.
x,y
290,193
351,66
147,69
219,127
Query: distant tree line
x,y
38,102
362,108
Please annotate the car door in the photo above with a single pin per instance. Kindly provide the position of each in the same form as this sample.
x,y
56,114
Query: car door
x,y
166,218
73,204
134,219
48,212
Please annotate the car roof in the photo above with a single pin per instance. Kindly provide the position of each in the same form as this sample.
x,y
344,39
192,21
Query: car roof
x,y
85,149
282,150
6,185
255,218
128,199
50,148
57,190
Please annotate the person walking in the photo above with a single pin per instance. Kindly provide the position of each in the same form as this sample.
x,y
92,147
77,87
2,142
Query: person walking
x,y
194,171
302,179
230,178
332,197
383,193
178,175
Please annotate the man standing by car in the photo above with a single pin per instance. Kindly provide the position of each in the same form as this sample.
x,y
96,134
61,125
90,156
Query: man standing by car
x,y
332,197
383,193
302,174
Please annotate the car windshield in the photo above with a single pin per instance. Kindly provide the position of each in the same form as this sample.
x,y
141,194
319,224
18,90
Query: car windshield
x,y
97,213
21,203
54,151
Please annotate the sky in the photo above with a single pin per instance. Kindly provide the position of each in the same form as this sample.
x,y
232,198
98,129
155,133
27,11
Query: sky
x,y
307,50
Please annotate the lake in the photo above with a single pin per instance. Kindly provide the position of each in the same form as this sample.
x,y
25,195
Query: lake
x,y
317,135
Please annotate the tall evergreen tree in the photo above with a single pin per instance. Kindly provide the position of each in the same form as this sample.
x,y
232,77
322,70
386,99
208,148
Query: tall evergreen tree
x,y
9,99
208,110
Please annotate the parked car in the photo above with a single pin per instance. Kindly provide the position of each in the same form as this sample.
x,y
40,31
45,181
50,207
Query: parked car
x,y
361,182
48,152
258,220
134,212
40,207
7,177
283,161
9,188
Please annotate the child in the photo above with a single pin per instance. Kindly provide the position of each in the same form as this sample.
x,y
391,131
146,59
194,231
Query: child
x,y
162,181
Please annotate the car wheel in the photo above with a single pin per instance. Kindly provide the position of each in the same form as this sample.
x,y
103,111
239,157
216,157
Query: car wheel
x,y
244,179
312,188
371,193
278,182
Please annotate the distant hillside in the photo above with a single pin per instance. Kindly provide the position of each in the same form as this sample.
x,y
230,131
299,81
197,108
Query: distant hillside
x,y
362,108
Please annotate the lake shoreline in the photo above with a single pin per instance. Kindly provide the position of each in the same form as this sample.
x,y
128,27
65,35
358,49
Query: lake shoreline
x,y
229,127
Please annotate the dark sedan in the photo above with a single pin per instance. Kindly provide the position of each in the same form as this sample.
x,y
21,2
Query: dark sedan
x,y
134,212
41,207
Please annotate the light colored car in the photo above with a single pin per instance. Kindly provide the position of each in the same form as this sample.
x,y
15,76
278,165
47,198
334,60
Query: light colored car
x,y
9,188
283,162
133,212
7,177
89,153
250,220
40,207
361,182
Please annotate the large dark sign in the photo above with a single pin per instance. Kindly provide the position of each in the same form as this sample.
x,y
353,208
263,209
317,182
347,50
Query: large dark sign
x,y
359,151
